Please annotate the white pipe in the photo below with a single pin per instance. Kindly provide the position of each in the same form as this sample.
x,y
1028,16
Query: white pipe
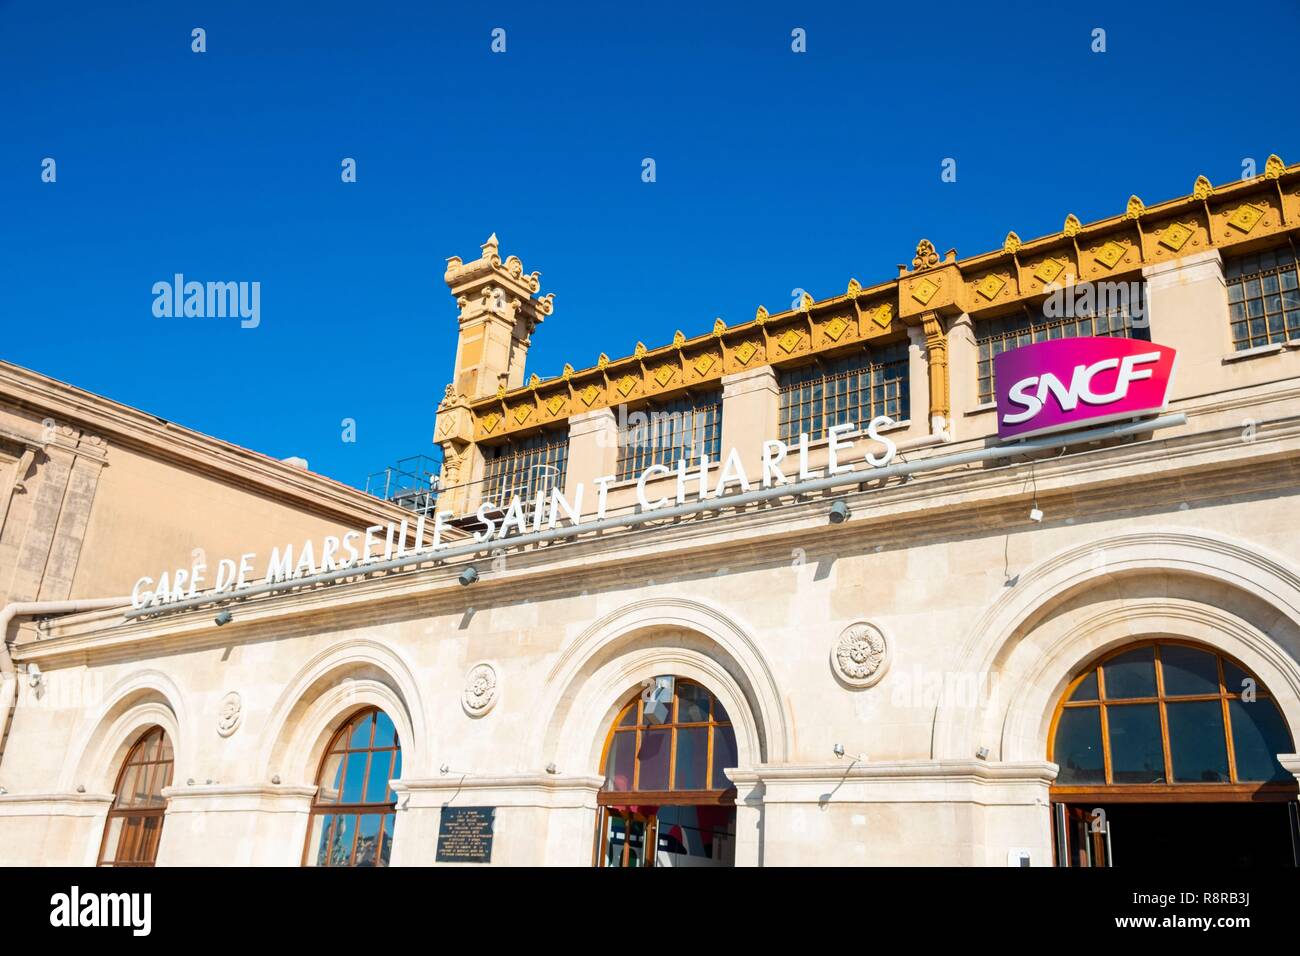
x,y
8,673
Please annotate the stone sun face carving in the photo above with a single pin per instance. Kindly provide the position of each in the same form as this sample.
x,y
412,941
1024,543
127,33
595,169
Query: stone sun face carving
x,y
861,655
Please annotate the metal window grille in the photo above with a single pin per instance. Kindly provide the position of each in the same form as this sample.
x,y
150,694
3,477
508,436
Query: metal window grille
x,y
1119,317
855,388
663,433
1263,298
525,467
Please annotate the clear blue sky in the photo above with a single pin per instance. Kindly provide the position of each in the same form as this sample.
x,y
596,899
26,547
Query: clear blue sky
x,y
774,170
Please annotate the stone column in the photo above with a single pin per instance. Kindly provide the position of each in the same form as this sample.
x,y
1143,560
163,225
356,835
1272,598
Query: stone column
x,y
1187,308
749,817
593,453
936,343
963,363
750,414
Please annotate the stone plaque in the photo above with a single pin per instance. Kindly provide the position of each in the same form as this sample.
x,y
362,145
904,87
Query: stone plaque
x,y
465,834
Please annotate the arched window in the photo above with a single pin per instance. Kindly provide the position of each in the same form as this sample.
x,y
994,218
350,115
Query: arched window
x,y
135,820
1164,716
667,800
353,811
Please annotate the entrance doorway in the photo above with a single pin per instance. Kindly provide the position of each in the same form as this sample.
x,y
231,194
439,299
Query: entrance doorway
x,y
667,800
1220,835
1168,754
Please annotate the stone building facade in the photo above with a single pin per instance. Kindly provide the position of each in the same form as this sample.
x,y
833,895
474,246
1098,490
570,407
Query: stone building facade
x,y
1044,656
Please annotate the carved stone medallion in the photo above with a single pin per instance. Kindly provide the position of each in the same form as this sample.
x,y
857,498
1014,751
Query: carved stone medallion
x,y
480,694
229,714
860,656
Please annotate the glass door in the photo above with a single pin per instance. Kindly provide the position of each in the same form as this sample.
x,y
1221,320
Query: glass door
x,y
627,839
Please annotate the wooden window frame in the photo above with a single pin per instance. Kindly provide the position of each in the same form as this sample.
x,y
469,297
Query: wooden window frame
x,y
134,817
385,809
1170,791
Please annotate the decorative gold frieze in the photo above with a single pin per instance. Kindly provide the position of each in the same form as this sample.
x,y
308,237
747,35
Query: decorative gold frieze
x,y
1011,244
602,363
704,363
639,351
1136,209
521,413
719,327
882,315
990,286
1109,254
1202,189
1274,167
554,404
1175,236
568,371
745,351
1072,226
678,338
589,395
760,315
663,375
855,289
490,421
835,328
924,290
925,258
1245,217
1047,270
788,341
625,385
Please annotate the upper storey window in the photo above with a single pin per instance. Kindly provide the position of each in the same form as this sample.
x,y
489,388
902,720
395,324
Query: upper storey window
x,y
1103,309
1263,298
853,389
524,467
663,433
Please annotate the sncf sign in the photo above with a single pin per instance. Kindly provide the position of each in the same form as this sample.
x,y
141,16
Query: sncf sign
x,y
1066,383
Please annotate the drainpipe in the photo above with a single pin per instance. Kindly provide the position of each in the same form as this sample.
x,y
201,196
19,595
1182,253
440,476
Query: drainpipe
x,y
8,673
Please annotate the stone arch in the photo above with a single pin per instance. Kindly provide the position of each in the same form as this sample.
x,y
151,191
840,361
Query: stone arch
x,y
599,671
144,699
329,689
1089,599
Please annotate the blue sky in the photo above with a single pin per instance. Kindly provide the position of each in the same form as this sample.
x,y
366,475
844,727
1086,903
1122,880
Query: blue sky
x,y
775,170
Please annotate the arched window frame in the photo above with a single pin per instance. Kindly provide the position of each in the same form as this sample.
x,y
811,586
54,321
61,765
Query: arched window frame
x,y
725,794
1185,790
140,830
333,812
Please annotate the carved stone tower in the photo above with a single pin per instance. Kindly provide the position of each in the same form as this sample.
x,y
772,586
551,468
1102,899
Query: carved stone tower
x,y
499,309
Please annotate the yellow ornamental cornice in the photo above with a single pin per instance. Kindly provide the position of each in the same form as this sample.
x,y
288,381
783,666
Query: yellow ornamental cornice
x,y
934,289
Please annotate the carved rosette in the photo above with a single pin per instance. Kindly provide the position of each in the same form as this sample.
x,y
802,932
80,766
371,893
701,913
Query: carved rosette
x,y
860,656
230,713
481,693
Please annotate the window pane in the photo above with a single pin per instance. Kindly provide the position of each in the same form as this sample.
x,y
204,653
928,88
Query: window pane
x,y
1235,679
385,734
1259,734
1078,746
692,704
354,778
1136,752
113,839
1188,671
629,717
1131,675
618,766
396,774
377,784
692,759
331,779
359,738
1196,741
340,847
1087,689
368,839
654,756
724,757
319,841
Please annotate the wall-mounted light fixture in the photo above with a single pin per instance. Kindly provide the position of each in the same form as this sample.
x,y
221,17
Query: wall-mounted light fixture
x,y
223,617
840,511
468,576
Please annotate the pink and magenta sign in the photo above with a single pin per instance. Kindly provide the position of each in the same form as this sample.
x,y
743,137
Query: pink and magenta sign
x,y
1067,383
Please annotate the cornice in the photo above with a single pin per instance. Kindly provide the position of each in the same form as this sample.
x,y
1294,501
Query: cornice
x,y
1177,468
192,450
1236,215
